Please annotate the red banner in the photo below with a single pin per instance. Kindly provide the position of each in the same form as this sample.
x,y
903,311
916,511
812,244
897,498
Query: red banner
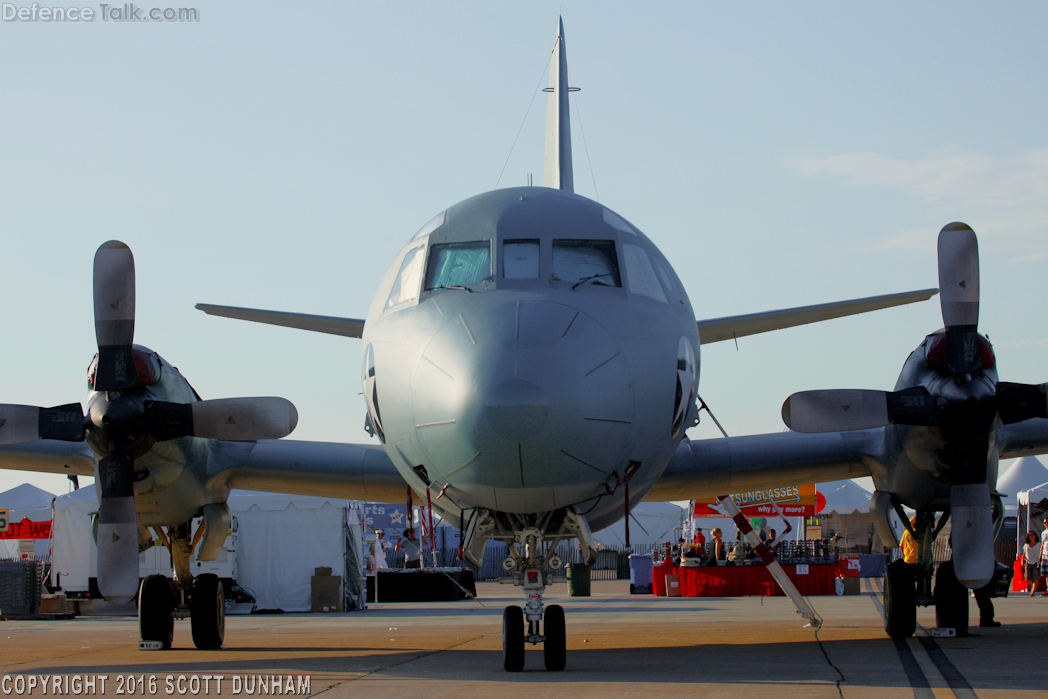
x,y
27,530
794,501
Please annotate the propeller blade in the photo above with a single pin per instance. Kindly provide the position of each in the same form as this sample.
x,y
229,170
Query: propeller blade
x,y
117,529
958,251
1017,401
114,298
972,534
27,423
837,410
237,419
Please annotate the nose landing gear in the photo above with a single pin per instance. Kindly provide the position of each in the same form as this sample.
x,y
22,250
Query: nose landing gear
x,y
532,568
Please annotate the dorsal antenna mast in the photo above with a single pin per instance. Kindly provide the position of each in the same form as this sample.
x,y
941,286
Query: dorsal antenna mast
x,y
557,172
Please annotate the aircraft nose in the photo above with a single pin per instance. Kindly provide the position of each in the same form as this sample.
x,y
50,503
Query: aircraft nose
x,y
516,409
513,400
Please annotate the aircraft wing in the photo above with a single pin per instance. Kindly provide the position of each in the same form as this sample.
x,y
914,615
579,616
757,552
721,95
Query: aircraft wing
x,y
1026,438
326,469
712,467
730,327
332,325
49,456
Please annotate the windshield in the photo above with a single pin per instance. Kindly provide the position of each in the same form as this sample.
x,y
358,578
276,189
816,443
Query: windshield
x,y
458,264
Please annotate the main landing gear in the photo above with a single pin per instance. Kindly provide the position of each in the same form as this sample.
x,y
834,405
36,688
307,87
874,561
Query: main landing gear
x,y
909,585
161,600
532,559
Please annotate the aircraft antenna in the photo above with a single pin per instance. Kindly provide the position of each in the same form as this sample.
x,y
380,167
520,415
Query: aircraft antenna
x,y
557,171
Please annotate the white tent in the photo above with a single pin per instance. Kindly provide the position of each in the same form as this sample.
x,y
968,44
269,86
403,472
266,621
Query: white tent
x,y
1033,507
844,497
26,502
279,540
651,523
1024,474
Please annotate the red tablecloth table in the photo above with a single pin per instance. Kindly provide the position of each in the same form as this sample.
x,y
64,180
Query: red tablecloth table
x,y
753,581
658,576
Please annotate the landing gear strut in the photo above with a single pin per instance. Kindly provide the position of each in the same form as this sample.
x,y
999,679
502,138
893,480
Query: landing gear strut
x,y
532,559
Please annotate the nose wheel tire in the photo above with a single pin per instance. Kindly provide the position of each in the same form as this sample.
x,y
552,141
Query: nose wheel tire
x,y
900,600
207,612
513,639
555,647
156,601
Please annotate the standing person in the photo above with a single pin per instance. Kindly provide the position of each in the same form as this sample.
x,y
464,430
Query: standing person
x,y
379,548
908,544
411,548
717,550
700,539
1032,555
1044,552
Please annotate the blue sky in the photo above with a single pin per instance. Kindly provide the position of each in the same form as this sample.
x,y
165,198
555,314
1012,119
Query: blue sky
x,y
278,155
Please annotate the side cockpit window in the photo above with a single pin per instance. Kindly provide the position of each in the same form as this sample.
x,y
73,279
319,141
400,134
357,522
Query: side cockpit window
x,y
586,261
458,265
405,288
640,274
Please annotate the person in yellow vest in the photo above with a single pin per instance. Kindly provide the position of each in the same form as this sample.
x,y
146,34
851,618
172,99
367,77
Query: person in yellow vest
x,y
909,545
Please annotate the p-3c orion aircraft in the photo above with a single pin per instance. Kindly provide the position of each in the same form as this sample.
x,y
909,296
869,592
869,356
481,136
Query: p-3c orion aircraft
x,y
531,360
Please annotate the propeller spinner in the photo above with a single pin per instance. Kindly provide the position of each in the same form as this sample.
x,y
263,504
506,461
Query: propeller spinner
x,y
123,423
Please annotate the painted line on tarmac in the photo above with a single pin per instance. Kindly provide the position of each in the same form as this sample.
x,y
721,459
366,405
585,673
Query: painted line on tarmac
x,y
923,661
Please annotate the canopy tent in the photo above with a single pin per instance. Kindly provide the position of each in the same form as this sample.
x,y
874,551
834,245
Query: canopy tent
x,y
651,523
1033,507
281,540
844,497
26,502
1024,474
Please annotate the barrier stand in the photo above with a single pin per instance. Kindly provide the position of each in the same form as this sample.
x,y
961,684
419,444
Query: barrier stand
x,y
803,608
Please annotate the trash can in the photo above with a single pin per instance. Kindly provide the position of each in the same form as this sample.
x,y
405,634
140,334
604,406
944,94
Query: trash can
x,y
640,573
578,580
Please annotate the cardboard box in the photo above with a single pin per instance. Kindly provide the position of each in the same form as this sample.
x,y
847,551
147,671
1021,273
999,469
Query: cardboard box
x,y
326,593
53,604
673,585
320,572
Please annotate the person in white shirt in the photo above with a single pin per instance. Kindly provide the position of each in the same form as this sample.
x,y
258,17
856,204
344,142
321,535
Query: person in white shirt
x,y
379,548
1032,560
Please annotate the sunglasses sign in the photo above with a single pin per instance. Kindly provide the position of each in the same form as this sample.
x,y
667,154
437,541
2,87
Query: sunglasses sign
x,y
794,501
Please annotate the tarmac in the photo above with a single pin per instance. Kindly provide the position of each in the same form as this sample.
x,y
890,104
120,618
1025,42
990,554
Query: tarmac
x,y
619,645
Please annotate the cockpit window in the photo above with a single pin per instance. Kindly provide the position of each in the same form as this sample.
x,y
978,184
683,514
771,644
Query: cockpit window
x,y
640,275
591,261
520,259
405,288
458,264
